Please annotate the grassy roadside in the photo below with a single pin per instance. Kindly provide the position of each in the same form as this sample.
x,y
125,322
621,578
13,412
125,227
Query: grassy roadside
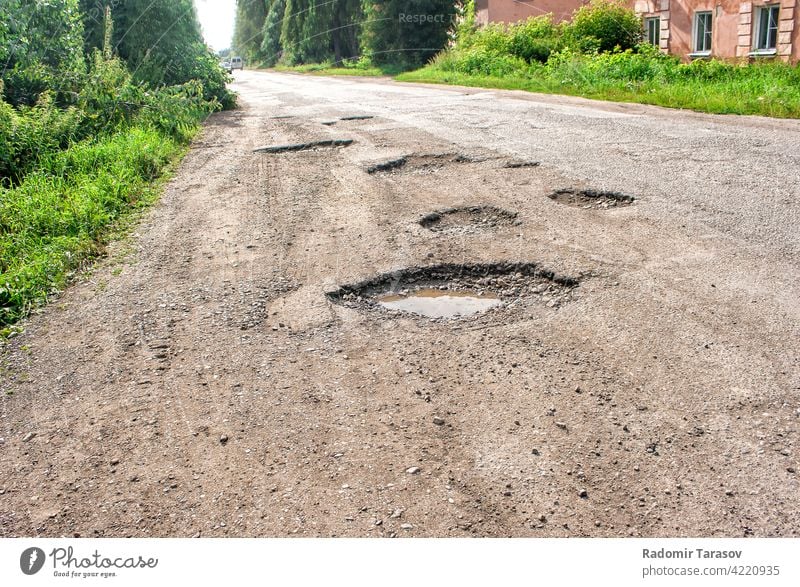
x,y
763,89
63,213
766,91
359,70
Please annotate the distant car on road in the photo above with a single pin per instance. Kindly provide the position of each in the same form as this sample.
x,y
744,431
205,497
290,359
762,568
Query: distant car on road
x,y
226,65
237,63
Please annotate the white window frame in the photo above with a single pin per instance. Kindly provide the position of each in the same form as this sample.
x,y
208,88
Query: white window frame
x,y
708,34
656,21
767,9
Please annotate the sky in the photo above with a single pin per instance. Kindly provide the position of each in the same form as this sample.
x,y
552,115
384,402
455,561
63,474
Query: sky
x,y
216,18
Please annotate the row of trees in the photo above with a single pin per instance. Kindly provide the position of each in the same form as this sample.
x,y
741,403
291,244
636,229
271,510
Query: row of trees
x,y
47,44
399,32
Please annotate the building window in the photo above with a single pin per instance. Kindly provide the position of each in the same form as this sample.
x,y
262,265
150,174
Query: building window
x,y
702,32
652,27
767,27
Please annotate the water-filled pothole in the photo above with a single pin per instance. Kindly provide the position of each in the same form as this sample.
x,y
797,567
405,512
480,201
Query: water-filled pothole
x,y
468,217
456,291
596,199
437,303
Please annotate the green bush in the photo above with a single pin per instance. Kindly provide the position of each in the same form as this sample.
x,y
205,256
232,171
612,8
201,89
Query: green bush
x,y
42,41
609,24
176,110
31,132
534,39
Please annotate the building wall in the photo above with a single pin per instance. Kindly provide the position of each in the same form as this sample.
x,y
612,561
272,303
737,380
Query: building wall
x,y
733,25
732,21
487,11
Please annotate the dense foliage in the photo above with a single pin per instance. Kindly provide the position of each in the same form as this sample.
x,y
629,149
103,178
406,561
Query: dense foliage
x,y
293,32
94,105
161,42
398,31
40,48
606,25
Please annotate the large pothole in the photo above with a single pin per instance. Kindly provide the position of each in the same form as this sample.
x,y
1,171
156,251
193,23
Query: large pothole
x,y
591,199
467,218
451,291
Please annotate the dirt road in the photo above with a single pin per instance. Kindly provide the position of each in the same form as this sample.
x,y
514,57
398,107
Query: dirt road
x,y
641,377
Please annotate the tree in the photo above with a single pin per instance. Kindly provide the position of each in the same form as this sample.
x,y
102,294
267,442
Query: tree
x,y
271,32
160,41
292,30
346,19
314,30
408,32
248,36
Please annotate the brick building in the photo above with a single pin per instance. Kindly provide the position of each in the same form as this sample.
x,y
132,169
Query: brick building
x,y
727,29
487,11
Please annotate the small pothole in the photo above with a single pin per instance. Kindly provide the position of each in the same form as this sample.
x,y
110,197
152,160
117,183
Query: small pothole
x,y
347,119
312,145
468,218
422,163
591,199
520,164
450,291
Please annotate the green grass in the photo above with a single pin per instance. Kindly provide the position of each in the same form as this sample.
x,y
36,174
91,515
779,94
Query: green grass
x,y
64,211
360,70
764,88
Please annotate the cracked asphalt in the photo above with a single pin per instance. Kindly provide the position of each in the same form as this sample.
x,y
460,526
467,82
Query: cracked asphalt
x,y
199,382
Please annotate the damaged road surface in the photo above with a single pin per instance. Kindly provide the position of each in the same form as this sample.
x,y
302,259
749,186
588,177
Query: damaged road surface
x,y
273,352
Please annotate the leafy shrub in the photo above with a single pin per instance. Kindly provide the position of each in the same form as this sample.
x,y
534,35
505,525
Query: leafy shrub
x,y
609,23
176,110
108,98
534,39
480,61
31,132
43,47
647,63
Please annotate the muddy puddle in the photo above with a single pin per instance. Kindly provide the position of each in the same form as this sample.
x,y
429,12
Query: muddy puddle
x,y
436,303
